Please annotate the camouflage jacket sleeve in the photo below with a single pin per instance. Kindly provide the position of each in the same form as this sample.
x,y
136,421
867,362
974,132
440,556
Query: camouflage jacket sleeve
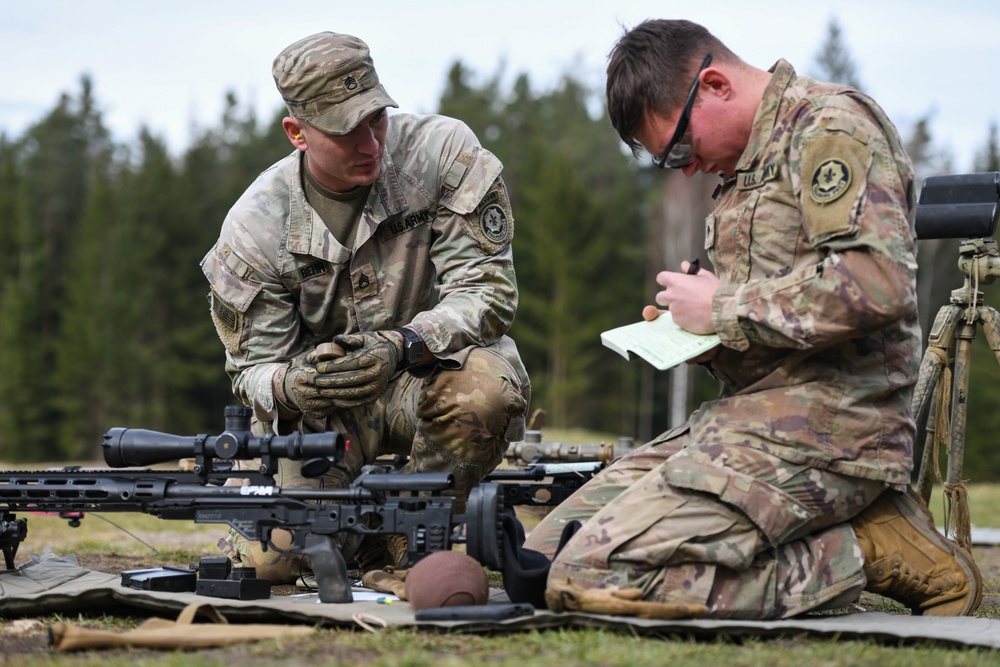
x,y
254,313
854,268
476,289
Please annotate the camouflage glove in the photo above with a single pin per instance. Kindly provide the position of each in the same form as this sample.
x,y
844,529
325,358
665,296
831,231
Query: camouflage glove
x,y
363,373
300,388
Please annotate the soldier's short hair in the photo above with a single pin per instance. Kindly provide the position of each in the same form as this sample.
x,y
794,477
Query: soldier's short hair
x,y
651,68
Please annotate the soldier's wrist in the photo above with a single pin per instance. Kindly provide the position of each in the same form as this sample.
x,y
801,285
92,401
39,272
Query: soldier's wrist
x,y
286,407
411,348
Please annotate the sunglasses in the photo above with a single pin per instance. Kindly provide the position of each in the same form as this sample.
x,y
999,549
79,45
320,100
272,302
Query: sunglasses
x,y
679,152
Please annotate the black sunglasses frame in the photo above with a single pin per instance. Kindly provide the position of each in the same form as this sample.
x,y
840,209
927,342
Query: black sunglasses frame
x,y
663,161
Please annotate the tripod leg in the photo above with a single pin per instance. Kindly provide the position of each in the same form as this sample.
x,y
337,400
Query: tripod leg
x,y
991,329
928,388
926,393
957,521
959,401
955,489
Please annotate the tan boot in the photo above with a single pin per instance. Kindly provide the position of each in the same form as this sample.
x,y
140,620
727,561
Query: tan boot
x,y
909,561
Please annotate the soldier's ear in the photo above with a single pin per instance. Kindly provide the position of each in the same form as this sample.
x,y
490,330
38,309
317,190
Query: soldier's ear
x,y
714,81
293,130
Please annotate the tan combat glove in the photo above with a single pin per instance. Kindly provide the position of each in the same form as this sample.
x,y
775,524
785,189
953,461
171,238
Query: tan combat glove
x,y
567,596
362,375
297,386
388,580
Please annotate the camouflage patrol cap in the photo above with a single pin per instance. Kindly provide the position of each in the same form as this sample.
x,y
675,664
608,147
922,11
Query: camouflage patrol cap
x,y
329,81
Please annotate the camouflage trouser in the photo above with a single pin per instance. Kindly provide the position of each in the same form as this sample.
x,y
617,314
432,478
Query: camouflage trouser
x,y
459,421
730,527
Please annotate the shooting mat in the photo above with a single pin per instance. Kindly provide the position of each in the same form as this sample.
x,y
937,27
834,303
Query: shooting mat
x,y
53,584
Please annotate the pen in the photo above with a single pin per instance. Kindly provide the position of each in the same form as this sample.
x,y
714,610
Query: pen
x,y
693,266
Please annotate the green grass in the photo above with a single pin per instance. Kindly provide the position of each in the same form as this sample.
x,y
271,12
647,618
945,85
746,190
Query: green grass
x,y
411,648
984,505
125,533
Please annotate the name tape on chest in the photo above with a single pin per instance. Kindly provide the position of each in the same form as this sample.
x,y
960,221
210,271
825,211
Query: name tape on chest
x,y
313,270
748,180
392,228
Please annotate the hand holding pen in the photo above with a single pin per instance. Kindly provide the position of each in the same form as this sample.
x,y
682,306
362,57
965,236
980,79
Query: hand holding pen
x,y
688,296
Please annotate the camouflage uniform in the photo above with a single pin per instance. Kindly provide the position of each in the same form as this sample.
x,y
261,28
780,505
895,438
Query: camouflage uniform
x,y
431,252
744,508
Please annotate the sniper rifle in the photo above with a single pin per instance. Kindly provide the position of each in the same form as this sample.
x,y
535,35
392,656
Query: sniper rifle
x,y
409,504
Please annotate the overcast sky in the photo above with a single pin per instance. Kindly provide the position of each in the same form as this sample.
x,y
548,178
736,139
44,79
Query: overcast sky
x,y
167,65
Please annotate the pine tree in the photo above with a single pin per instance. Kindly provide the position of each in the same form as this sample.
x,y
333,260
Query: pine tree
x,y
58,160
988,158
833,61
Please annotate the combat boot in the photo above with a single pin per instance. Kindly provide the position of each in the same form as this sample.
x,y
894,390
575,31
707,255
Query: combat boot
x,y
909,561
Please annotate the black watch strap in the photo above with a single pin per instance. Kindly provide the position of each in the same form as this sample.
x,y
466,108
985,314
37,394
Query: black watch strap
x,y
413,348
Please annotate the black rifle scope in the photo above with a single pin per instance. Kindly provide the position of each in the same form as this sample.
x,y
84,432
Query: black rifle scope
x,y
124,447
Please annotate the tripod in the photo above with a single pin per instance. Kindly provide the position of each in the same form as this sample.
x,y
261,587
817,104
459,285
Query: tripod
x,y
943,381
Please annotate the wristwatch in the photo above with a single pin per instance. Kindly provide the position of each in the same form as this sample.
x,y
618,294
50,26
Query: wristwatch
x,y
413,348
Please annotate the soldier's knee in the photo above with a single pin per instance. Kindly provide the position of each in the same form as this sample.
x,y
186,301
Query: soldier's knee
x,y
486,396
502,409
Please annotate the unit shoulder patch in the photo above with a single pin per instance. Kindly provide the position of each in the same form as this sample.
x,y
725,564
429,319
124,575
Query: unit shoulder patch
x,y
834,171
492,222
831,179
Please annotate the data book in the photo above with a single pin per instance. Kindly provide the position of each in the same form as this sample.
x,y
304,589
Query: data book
x,y
661,342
